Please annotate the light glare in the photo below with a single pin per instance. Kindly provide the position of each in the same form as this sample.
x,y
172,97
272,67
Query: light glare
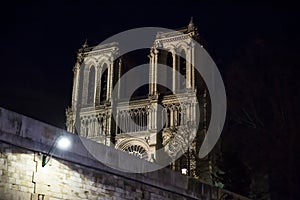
x,y
63,143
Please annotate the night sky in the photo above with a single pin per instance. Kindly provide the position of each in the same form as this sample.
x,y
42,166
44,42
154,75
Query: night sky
x,y
39,41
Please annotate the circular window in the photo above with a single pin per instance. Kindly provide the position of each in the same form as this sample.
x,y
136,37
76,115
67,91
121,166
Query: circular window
x,y
137,151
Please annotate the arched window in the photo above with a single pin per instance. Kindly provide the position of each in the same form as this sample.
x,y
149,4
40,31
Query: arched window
x,y
168,118
81,83
103,93
182,69
91,86
170,60
178,118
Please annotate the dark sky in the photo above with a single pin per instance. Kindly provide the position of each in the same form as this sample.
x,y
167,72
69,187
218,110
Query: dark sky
x,y
39,40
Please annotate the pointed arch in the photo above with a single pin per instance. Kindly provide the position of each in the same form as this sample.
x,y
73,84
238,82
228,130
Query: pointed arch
x,y
90,61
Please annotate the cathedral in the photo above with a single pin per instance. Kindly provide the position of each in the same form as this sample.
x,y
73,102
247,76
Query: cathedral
x,y
160,113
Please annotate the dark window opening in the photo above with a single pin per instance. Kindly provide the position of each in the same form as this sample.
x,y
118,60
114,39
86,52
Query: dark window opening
x,y
91,87
103,93
182,70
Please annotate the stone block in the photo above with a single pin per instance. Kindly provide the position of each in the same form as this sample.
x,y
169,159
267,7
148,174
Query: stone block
x,y
26,189
43,189
2,161
53,198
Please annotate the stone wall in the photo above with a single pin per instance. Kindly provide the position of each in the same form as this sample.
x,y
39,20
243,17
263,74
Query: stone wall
x,y
76,174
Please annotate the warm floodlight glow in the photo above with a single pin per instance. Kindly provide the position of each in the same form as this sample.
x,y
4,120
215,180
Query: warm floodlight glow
x,y
63,143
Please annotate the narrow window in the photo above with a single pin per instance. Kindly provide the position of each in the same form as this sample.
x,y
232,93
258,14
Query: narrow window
x,y
182,69
169,73
103,93
91,86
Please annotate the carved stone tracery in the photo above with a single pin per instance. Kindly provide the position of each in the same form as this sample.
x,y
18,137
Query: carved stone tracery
x,y
136,124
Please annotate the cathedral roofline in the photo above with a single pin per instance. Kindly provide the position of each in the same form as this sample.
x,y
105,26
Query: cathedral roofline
x,y
190,29
85,48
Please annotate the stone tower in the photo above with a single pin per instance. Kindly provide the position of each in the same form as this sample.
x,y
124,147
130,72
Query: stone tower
x,y
96,74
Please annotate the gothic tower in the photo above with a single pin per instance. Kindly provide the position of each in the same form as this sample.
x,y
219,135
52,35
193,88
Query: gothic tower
x,y
96,74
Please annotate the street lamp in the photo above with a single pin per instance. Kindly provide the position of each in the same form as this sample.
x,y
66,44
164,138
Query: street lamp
x,y
62,142
183,171
188,130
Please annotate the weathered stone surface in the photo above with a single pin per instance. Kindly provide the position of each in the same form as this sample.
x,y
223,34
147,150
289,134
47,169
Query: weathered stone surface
x,y
75,174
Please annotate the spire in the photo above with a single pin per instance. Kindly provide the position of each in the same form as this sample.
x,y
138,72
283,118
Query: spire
x,y
191,25
85,45
191,28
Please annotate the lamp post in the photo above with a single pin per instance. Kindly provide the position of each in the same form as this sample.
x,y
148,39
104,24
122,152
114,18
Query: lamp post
x,y
187,170
189,123
62,142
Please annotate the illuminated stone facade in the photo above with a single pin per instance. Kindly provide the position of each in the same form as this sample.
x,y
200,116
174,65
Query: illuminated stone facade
x,y
96,74
75,174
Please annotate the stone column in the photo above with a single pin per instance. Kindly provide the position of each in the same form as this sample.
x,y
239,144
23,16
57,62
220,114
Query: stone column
x,y
155,70
119,77
75,86
151,72
76,71
188,82
110,80
192,58
174,79
193,109
99,70
172,117
188,112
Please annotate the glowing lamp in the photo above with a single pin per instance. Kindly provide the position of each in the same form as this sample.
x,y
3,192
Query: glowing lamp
x,y
61,142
